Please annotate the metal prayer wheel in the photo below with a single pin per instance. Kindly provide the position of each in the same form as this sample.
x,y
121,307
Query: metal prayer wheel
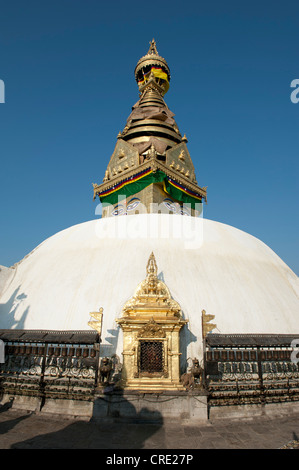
x,y
50,351
216,355
57,351
239,355
253,355
275,355
78,352
28,350
93,353
246,355
231,355
269,355
263,355
64,351
11,349
287,355
41,350
224,355
85,352
71,351
22,350
209,356
34,350
281,354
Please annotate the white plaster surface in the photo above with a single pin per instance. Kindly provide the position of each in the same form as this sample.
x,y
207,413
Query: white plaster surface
x,y
6,275
206,265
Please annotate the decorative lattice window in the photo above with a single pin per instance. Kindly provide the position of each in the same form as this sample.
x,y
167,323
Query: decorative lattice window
x,y
151,356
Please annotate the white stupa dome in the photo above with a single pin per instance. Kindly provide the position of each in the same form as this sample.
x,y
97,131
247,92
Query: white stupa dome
x,y
205,264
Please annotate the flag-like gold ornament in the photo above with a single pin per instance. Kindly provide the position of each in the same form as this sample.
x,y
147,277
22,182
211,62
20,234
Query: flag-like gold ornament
x,y
96,324
206,325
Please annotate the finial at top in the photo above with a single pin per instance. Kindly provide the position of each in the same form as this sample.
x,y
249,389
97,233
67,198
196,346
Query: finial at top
x,y
151,267
152,65
153,47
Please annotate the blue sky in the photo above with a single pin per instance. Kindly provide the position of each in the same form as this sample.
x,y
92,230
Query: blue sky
x,y
68,68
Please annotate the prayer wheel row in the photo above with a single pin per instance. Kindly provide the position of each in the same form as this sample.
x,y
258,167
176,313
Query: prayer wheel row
x,y
248,355
24,350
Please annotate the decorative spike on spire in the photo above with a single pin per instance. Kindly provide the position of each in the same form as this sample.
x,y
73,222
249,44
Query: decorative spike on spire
x,y
152,267
153,48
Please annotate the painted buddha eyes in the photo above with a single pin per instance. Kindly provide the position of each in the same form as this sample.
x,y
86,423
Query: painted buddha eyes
x,y
185,211
133,203
170,205
121,209
175,208
118,210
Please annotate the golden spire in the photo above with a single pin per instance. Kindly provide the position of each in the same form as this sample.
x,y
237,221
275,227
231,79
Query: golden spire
x,y
151,140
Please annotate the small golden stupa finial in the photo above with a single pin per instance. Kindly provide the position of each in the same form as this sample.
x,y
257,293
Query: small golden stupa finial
x,y
153,47
152,267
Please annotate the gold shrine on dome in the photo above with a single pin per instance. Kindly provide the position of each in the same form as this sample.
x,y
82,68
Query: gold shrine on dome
x,y
151,323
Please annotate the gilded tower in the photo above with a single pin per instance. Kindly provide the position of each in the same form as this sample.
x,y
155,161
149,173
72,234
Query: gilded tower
x,y
150,169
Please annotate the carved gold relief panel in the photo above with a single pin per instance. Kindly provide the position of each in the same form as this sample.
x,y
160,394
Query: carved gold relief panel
x,y
124,158
178,159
